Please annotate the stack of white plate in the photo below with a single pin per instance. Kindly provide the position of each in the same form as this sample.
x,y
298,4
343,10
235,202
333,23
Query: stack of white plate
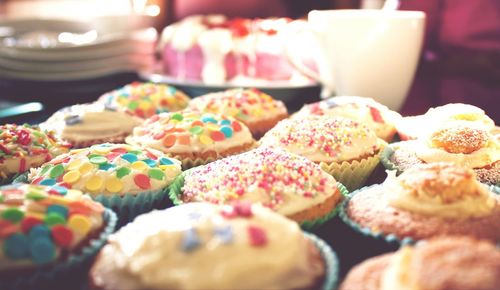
x,y
58,50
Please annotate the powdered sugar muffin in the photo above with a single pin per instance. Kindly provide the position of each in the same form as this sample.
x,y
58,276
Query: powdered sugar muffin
x,y
366,111
458,142
193,137
412,127
205,246
129,179
24,147
88,124
259,111
146,99
426,201
441,263
287,183
345,148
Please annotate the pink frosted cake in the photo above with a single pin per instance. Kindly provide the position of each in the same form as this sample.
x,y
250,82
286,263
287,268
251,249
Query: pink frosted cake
x,y
216,50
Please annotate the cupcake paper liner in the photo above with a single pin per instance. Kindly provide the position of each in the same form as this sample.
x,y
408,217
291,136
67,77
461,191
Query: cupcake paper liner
x,y
60,270
385,159
331,262
176,192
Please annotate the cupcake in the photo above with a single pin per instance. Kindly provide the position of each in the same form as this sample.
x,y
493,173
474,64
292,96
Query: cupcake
x,y
145,99
257,110
344,148
411,127
205,246
193,137
287,183
128,179
442,263
88,124
47,232
366,111
426,201
457,142
24,147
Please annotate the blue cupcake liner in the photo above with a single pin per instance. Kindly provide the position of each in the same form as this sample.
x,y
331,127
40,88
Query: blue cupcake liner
x,y
38,277
331,262
367,232
176,191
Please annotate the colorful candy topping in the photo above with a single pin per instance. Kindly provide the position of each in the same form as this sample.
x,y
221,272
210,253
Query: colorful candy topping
x,y
146,99
109,168
188,128
242,104
262,175
26,143
39,223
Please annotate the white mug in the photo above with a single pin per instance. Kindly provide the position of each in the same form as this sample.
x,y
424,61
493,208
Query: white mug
x,y
370,53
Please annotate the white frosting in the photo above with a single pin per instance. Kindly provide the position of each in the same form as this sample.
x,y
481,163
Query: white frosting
x,y
91,122
215,44
148,253
398,275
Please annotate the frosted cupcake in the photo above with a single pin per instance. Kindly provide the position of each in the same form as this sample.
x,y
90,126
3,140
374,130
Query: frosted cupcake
x,y
205,246
24,147
47,232
426,201
128,179
458,142
410,128
366,111
193,137
88,124
287,183
257,110
145,99
444,263
344,148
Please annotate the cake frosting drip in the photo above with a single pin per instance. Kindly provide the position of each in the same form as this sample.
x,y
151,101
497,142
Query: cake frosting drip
x,y
363,110
459,143
145,99
282,181
24,147
323,139
39,224
89,122
440,189
203,246
109,169
246,105
191,131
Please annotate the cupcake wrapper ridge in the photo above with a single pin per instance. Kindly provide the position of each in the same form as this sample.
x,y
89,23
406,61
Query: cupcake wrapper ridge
x,y
385,159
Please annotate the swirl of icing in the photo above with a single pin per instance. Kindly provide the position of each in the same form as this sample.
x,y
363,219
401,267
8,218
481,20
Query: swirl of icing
x,y
282,181
40,223
109,169
146,99
360,109
457,142
322,139
224,247
24,147
191,131
442,189
88,122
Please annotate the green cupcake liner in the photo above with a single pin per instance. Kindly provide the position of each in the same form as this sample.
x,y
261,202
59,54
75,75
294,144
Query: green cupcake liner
x,y
385,159
367,232
331,262
176,192
126,206
21,178
38,277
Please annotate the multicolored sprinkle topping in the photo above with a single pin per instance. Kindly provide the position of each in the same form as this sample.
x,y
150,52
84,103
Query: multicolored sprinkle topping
x,y
24,143
268,176
243,104
189,129
40,223
146,99
109,169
